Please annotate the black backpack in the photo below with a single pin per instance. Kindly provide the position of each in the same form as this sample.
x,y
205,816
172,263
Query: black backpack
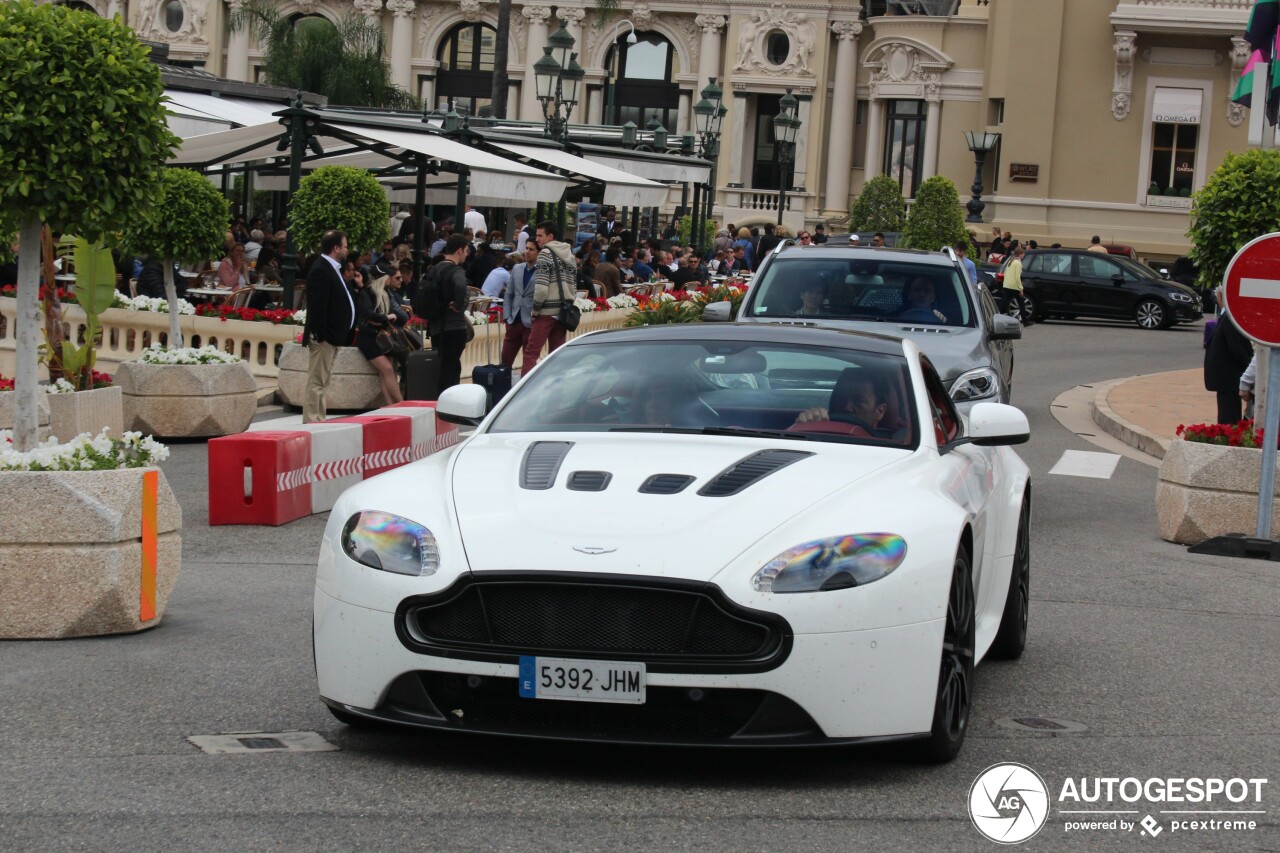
x,y
431,302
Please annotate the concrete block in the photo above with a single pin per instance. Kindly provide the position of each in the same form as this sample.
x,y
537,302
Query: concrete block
x,y
188,400
354,384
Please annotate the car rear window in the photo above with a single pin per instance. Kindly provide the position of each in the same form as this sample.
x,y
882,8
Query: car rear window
x,y
887,290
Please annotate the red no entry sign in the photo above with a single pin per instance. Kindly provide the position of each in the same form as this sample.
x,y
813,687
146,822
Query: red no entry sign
x,y
1253,289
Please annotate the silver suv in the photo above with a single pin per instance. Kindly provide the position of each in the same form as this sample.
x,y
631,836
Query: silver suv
x,y
924,296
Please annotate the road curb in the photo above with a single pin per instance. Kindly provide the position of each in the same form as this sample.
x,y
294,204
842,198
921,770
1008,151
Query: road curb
x,y
1128,432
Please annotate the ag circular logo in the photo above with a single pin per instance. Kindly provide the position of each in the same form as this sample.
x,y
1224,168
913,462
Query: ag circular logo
x,y
1009,803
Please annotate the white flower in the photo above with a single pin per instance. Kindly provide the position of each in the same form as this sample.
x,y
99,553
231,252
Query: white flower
x,y
584,304
157,354
665,297
147,303
299,317
85,452
59,386
478,318
622,301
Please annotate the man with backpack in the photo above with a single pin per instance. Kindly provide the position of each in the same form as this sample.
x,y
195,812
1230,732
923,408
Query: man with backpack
x,y
442,301
554,284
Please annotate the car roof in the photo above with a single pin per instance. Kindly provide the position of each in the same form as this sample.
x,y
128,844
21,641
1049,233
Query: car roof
x,y
783,332
864,251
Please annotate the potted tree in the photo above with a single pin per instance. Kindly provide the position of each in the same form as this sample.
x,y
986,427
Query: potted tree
x,y
180,391
82,143
936,219
350,200
879,207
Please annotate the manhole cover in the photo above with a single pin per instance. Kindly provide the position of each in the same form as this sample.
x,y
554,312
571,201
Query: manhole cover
x,y
1042,725
238,743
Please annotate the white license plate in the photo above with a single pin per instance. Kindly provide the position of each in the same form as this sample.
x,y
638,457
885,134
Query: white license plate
x,y
581,680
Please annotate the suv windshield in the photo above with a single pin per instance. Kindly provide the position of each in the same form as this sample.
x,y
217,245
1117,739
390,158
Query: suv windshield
x,y
862,288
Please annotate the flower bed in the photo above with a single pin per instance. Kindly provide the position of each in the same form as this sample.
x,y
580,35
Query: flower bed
x,y
254,315
83,453
157,354
188,392
1209,486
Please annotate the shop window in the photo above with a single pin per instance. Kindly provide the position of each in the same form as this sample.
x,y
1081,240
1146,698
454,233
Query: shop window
x,y
904,144
1175,138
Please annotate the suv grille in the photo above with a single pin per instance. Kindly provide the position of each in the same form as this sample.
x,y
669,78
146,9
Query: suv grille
x,y
672,626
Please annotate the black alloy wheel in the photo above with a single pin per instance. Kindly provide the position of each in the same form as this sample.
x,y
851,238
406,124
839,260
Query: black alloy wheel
x,y
955,676
1151,314
1022,308
1011,639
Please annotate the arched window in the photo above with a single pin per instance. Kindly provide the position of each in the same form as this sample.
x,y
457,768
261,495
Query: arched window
x,y
466,57
644,72
78,5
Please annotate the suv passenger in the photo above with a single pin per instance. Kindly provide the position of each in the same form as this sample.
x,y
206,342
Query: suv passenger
x,y
924,296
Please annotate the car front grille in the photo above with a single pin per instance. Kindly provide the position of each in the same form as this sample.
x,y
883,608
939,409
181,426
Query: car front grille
x,y
672,626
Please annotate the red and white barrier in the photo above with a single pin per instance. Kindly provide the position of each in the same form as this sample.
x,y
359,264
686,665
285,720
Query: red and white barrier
x,y
274,476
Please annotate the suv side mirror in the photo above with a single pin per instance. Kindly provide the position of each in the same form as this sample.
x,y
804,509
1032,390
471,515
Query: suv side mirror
x,y
1005,328
717,312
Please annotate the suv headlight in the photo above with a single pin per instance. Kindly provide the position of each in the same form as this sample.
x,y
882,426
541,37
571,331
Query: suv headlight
x,y
1179,296
838,563
979,384
390,543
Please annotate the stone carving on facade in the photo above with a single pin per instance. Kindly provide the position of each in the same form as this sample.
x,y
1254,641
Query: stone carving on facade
x,y
400,8
150,21
572,16
520,31
1240,52
471,10
426,13
642,17
846,30
753,33
1122,89
711,24
306,6
692,37
368,8
541,14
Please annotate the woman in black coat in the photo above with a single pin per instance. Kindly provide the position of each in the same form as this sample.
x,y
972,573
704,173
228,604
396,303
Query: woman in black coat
x,y
377,308
1225,359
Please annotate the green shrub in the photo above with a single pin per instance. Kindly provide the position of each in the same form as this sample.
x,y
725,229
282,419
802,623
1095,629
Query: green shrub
x,y
880,206
187,222
936,218
344,198
684,228
1239,202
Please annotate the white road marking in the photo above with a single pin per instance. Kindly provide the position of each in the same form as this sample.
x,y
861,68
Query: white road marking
x,y
1084,463
1260,288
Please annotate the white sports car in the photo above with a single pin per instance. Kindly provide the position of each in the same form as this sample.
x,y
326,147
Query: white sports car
x,y
703,533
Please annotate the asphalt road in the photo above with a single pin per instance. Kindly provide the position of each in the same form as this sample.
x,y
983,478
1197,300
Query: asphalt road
x,y
1168,660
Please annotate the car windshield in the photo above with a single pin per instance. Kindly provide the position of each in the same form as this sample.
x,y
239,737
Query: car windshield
x,y
804,393
862,288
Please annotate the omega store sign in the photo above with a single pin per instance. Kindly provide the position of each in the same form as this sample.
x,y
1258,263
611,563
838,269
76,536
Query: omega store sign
x,y
1024,172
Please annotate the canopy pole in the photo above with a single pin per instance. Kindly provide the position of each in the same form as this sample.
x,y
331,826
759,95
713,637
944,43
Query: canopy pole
x,y
294,118
419,217
460,203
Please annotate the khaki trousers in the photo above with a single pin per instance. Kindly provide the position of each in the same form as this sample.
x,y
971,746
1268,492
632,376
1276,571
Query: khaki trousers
x,y
319,369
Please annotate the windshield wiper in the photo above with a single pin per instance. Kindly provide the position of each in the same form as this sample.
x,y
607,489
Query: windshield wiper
x,y
747,431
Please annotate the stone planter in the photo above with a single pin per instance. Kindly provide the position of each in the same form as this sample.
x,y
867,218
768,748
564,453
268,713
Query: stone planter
x,y
6,412
86,411
188,400
71,552
1209,490
354,384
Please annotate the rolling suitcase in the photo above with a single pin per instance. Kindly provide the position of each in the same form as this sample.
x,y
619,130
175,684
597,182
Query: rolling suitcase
x,y
494,378
422,375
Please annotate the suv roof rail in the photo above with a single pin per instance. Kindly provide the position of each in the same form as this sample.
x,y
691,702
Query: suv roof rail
x,y
950,253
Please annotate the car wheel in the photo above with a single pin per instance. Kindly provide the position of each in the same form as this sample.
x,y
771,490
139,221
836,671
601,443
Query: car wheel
x,y
1151,314
1011,639
955,676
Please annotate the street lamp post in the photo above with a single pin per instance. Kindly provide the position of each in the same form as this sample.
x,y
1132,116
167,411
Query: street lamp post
x,y
979,143
558,77
708,113
613,83
785,126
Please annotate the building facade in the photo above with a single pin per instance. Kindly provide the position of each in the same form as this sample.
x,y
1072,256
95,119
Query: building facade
x,y
1110,114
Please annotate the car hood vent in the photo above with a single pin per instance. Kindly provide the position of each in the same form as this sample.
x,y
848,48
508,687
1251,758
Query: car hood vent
x,y
746,471
930,330
665,484
589,481
541,463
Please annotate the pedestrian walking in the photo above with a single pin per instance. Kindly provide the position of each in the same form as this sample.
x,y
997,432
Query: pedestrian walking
x,y
1225,359
1011,286
517,308
331,315
554,284
449,328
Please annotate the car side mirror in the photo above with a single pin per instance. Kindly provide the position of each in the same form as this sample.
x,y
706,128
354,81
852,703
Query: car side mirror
x,y
1117,279
1164,272
996,424
717,312
1005,328
463,404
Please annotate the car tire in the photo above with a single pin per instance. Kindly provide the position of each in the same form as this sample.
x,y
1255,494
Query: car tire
x,y
953,704
1011,639
1152,314
1022,308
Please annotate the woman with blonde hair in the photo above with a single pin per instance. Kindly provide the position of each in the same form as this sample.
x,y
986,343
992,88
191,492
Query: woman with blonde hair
x,y
748,250
378,308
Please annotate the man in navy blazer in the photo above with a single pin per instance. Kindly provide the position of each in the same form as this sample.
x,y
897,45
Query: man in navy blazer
x,y
331,315
517,306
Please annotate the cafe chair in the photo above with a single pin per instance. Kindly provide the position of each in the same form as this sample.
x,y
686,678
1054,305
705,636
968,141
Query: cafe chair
x,y
240,298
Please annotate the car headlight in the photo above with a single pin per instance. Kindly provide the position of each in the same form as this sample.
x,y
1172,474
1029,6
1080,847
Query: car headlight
x,y
838,563
979,384
390,543
1182,297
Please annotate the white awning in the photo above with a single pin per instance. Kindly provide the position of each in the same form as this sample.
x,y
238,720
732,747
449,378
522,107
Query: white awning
x,y
620,188
239,111
654,170
1177,106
